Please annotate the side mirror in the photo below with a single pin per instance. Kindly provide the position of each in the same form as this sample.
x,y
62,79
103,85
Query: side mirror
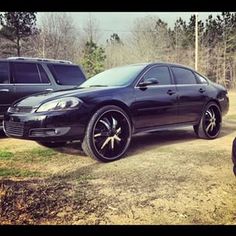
x,y
148,82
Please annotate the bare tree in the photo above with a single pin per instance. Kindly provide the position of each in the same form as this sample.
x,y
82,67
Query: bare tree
x,y
91,30
58,37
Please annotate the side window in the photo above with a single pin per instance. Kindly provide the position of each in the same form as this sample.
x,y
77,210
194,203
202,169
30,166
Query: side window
x,y
26,73
161,73
201,79
67,74
184,76
4,73
43,75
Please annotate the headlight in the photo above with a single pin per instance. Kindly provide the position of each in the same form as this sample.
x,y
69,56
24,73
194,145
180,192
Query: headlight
x,y
61,104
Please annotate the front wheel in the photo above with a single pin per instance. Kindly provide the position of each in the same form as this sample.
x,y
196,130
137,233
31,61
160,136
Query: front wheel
x,y
108,134
210,124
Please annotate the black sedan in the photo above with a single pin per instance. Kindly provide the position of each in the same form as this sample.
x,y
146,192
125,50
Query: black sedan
x,y
107,109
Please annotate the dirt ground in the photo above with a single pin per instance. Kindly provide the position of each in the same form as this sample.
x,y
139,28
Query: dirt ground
x,y
168,177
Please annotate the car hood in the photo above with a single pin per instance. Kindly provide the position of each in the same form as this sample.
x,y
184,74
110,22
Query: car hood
x,y
39,98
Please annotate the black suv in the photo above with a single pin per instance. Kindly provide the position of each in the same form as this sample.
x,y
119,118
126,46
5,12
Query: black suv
x,y
23,76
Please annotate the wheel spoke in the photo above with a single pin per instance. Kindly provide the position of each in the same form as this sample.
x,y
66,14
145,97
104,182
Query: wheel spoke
x,y
209,113
112,143
106,142
97,135
106,122
208,127
212,126
118,131
213,114
117,138
114,122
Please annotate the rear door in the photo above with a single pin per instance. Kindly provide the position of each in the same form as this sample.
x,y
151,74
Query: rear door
x,y
29,78
192,94
6,88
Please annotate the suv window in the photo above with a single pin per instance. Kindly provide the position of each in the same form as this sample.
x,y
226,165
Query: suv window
x,y
161,73
67,74
26,73
4,73
184,76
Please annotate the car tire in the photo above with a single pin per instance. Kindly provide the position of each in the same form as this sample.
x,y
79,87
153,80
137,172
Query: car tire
x,y
52,144
108,134
209,126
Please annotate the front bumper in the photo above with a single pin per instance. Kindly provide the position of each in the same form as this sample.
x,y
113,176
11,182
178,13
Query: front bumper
x,y
234,156
48,126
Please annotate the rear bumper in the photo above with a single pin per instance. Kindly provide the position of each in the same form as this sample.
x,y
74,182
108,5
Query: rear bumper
x,y
54,126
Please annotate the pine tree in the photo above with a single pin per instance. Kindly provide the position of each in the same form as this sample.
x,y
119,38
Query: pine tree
x,y
93,58
17,27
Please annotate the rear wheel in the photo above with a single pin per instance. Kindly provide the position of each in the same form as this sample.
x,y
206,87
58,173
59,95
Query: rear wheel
x,y
108,134
210,124
52,144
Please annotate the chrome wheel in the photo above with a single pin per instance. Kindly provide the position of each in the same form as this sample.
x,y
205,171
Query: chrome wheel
x,y
209,125
111,134
212,122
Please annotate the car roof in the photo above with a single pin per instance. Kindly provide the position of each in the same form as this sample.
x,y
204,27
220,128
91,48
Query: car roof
x,y
39,60
150,64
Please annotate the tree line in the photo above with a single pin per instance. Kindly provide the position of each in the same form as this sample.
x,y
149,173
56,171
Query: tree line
x,y
150,39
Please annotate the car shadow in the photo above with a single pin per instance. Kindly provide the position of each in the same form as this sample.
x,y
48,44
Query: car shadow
x,y
2,134
141,142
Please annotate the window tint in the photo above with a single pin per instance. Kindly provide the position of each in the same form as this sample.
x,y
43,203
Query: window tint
x,y
161,73
201,79
44,77
26,73
184,76
67,75
4,70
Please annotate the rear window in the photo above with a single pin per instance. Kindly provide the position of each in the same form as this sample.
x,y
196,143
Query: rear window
x,y
184,76
67,74
4,76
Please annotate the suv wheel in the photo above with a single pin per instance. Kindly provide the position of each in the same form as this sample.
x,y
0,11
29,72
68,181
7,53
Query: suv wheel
x,y
210,124
108,134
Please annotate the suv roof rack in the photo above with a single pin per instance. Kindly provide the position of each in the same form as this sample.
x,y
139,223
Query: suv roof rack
x,y
39,59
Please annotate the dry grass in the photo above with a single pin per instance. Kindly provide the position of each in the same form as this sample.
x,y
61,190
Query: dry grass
x,y
168,177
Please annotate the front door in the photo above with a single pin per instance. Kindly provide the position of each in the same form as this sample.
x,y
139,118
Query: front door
x,y
155,105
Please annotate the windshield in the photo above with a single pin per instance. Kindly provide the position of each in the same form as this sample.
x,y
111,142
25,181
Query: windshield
x,y
118,76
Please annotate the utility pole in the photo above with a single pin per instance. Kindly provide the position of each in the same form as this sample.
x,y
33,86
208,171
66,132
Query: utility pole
x,y
196,41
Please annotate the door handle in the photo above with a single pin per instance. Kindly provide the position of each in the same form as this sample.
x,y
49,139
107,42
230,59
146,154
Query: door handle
x,y
4,90
49,89
201,90
170,92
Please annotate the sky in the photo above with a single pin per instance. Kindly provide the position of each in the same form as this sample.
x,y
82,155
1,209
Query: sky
x,y
121,22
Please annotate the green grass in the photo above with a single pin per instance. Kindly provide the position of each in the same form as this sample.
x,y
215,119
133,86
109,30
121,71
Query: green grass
x,y
6,155
6,172
42,152
85,178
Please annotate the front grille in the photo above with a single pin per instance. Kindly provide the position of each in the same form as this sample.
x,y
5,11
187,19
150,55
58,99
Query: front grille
x,y
14,128
20,109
